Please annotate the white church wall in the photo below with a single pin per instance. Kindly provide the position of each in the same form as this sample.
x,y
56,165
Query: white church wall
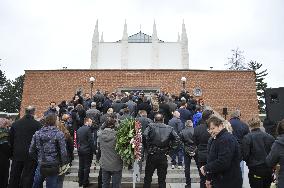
x,y
109,56
170,57
139,55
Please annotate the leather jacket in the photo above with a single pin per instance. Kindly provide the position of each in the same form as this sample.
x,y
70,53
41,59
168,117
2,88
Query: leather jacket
x,y
160,138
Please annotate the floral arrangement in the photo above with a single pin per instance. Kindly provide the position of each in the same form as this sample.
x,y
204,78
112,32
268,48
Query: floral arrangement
x,y
129,141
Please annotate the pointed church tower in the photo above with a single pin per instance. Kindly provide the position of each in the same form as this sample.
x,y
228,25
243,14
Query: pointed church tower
x,y
154,35
184,48
124,48
155,48
95,48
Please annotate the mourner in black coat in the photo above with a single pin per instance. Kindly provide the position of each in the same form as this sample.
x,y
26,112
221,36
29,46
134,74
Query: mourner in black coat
x,y
223,162
21,133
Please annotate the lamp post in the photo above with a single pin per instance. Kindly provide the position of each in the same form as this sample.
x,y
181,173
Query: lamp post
x,y
92,80
183,80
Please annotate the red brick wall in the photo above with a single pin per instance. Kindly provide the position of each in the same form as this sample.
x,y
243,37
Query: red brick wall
x,y
231,89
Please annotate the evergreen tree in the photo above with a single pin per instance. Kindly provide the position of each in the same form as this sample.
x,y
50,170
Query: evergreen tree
x,y
2,80
11,95
261,85
236,62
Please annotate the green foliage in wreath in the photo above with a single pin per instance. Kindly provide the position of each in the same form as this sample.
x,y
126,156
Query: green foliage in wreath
x,y
125,133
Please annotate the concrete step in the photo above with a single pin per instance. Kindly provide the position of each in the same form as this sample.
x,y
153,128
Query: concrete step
x,y
173,175
193,170
127,178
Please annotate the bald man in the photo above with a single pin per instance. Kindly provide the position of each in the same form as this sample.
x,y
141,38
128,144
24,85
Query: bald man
x,y
177,125
158,137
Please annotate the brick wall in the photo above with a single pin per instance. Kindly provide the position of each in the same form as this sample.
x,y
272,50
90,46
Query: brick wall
x,y
231,89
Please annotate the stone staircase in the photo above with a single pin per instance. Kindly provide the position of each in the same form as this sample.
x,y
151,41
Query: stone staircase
x,y
173,175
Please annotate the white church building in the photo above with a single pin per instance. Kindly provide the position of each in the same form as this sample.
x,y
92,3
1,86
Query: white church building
x,y
139,51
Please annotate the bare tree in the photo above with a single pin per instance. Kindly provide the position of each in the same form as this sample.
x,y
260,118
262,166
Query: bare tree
x,y
236,61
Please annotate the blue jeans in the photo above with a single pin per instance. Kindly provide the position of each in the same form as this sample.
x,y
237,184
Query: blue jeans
x,y
51,181
179,154
114,175
60,181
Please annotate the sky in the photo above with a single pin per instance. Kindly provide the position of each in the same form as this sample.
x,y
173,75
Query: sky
x,y
51,34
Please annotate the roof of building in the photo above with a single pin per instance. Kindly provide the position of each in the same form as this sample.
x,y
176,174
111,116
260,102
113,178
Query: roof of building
x,y
140,37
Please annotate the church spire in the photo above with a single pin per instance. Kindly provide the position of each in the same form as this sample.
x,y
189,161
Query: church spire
x,y
102,37
124,48
95,47
154,35
184,48
96,33
125,35
183,33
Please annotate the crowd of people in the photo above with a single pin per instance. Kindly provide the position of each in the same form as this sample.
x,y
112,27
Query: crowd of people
x,y
176,126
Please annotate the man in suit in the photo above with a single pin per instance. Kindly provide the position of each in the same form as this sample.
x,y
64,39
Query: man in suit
x,y
85,151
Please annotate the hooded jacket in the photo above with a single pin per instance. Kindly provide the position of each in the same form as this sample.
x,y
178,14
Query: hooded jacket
x,y
110,160
49,143
275,156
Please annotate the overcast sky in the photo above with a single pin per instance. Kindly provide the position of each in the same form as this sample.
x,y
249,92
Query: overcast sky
x,y
52,34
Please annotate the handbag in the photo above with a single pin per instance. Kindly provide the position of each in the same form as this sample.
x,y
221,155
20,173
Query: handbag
x,y
48,168
190,150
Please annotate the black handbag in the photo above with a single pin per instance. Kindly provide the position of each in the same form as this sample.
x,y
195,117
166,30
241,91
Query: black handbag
x,y
190,150
48,168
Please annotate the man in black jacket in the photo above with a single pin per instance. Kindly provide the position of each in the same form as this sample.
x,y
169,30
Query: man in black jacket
x,y
200,138
159,138
85,151
223,162
23,166
186,136
256,146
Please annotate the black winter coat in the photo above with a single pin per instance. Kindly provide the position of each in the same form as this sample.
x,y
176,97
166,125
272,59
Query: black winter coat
x,y
143,106
186,136
223,163
200,138
85,140
255,147
118,105
165,110
21,134
275,156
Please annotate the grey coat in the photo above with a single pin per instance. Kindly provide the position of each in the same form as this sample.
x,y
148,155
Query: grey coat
x,y
110,160
176,124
